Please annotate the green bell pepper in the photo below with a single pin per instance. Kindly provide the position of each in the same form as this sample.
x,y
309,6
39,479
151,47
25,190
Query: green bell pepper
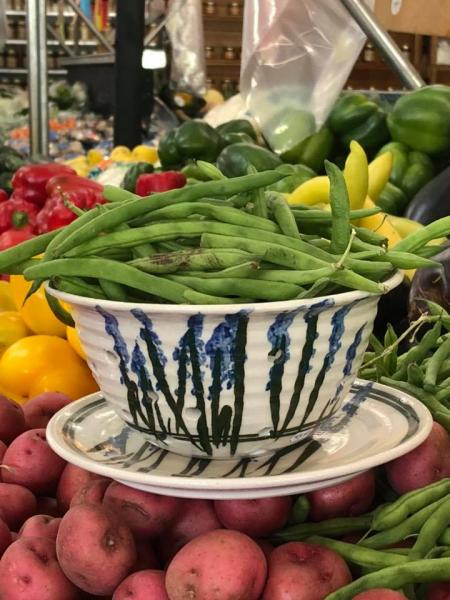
x,y
411,170
295,176
312,151
237,126
191,171
356,117
197,140
235,137
133,174
169,155
235,160
392,200
421,119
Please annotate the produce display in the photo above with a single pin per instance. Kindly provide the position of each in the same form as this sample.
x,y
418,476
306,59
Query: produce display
x,y
224,220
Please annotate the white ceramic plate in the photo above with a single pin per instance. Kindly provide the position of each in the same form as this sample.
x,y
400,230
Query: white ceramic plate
x,y
375,425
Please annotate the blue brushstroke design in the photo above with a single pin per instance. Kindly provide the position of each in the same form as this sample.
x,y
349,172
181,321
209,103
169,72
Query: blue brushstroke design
x,y
312,313
195,327
278,336
148,328
120,346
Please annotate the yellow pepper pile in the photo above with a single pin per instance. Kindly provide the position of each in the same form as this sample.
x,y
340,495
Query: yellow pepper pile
x,y
84,164
37,352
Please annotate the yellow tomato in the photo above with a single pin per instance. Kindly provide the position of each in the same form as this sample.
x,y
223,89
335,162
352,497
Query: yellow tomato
x,y
94,157
35,312
145,154
12,328
120,154
30,358
74,340
6,299
75,382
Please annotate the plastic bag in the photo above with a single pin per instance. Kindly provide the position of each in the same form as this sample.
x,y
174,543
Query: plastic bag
x,y
296,58
185,29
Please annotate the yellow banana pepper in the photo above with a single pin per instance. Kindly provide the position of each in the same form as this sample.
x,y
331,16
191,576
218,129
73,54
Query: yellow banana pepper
x,y
380,223
356,175
313,191
379,172
35,312
12,328
43,363
74,340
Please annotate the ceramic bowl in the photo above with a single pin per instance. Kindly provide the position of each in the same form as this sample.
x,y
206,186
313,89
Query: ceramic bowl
x,y
226,381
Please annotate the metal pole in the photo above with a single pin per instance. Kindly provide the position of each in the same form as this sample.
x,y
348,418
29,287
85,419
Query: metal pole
x,y
90,25
37,77
385,44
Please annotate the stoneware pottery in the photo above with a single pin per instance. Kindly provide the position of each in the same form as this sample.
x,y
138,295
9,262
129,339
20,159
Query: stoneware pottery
x,y
375,425
226,381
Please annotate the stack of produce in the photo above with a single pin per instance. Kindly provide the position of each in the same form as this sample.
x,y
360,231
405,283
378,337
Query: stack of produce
x,y
68,534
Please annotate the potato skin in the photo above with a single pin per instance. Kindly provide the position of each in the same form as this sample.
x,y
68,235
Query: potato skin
x,y
5,537
39,410
29,570
347,499
32,463
428,463
42,526
12,420
256,518
380,594
143,585
17,504
438,591
197,572
301,571
195,517
95,549
72,479
146,514
92,493
147,558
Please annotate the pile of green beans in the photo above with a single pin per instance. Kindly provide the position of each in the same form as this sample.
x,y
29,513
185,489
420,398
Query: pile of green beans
x,y
423,371
422,514
222,241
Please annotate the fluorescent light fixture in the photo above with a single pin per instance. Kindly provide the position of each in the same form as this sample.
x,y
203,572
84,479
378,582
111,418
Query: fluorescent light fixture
x,y
154,59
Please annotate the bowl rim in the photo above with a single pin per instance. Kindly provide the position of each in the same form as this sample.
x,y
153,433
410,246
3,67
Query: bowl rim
x,y
254,307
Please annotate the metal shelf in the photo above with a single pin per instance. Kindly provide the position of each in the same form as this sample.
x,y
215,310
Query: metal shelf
x,y
91,43
52,14
55,72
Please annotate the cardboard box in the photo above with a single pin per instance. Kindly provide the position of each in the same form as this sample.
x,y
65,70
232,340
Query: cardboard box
x,y
425,17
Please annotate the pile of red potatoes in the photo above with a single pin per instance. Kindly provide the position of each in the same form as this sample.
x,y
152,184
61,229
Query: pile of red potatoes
x,y
67,534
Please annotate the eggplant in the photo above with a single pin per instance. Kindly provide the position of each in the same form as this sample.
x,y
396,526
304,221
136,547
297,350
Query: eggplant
x,y
432,201
393,308
432,283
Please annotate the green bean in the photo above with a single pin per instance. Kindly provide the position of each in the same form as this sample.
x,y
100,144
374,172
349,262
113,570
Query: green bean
x,y
194,297
101,268
432,529
113,290
260,208
247,270
415,375
364,557
398,533
283,215
305,213
329,528
297,277
300,510
59,311
354,281
19,268
112,193
239,287
418,352
11,257
78,287
395,513
418,239
443,417
406,260
124,212
429,250
444,539
396,577
197,259
210,170
435,364
321,287
370,237
340,209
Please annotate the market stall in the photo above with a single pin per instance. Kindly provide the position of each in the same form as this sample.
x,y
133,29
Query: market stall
x,y
225,341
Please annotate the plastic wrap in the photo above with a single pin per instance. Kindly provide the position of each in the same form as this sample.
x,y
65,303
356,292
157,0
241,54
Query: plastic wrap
x,y
296,58
185,29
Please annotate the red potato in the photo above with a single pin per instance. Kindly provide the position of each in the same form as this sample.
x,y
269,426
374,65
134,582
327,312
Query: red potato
x,y
12,420
29,570
93,493
5,537
221,564
301,571
146,557
47,506
146,514
39,410
42,526
195,517
3,448
266,547
380,594
438,591
347,499
29,461
71,481
428,463
256,518
144,585
17,504
95,549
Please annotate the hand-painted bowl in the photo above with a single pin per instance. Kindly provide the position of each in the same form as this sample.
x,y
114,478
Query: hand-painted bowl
x,y
226,380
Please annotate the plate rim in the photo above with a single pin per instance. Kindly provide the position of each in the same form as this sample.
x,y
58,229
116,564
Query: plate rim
x,y
271,481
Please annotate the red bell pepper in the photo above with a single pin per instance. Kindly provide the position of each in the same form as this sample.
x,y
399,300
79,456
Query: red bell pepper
x,y
17,214
32,180
150,183
15,236
3,196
